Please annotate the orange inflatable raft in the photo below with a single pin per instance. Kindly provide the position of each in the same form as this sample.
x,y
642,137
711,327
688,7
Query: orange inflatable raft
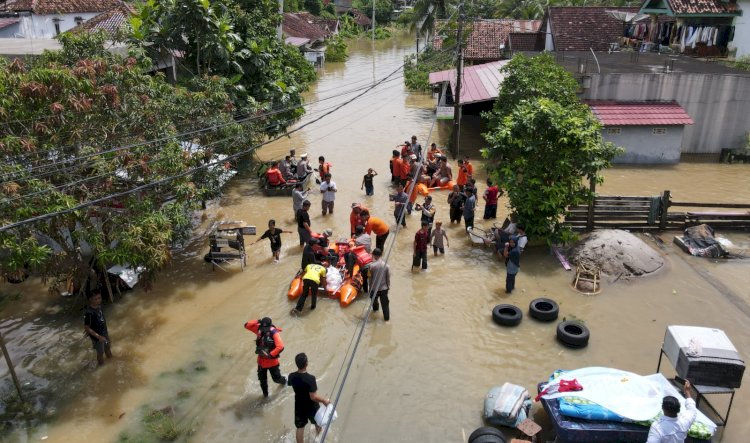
x,y
422,189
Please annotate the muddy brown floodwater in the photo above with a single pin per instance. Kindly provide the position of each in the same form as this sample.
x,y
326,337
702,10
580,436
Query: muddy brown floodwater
x,y
420,377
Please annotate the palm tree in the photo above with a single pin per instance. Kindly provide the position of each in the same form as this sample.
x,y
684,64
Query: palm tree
x,y
426,14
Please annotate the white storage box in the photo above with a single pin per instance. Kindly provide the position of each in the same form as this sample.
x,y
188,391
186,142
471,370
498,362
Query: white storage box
x,y
705,356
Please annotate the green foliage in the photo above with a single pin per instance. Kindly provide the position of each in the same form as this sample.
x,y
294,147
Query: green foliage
x,y
382,33
291,5
63,107
543,143
336,49
314,6
348,28
234,39
162,425
426,13
417,72
405,19
330,8
742,63
383,10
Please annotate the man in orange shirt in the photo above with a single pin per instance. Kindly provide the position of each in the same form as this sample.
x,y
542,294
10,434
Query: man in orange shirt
x,y
396,166
469,167
274,176
405,169
323,167
463,173
355,218
268,346
376,225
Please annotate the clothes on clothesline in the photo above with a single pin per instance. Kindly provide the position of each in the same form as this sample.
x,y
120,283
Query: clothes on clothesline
x,y
690,36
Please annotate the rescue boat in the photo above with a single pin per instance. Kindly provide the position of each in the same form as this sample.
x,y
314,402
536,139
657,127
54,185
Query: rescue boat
x,y
350,284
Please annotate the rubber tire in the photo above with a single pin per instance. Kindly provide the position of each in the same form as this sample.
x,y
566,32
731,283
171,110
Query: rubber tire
x,y
549,314
507,315
573,334
487,434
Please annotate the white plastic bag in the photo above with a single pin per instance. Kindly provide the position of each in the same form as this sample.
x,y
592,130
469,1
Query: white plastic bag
x,y
324,414
333,279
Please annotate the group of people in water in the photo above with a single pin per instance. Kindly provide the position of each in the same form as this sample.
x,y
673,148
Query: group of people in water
x,y
410,167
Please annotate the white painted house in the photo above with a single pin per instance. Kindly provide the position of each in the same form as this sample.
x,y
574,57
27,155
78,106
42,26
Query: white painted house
x,y
47,18
742,30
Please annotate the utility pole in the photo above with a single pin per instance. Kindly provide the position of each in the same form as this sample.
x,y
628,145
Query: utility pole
x,y
457,92
278,28
373,22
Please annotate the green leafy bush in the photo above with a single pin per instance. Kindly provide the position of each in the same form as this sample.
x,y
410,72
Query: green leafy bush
x,y
336,50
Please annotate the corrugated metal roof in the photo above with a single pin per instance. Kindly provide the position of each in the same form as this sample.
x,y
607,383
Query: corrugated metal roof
x,y
297,41
479,82
5,22
612,113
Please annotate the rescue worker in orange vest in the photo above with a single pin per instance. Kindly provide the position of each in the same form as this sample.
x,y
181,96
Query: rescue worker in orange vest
x,y
274,176
395,166
355,218
268,346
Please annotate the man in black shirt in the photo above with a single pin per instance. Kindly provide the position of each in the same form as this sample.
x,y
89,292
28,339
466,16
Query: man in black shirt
x,y
95,326
306,398
308,253
303,223
274,235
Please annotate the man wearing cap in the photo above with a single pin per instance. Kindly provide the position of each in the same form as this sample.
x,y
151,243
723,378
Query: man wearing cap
x,y
380,283
303,167
268,346
673,427
328,189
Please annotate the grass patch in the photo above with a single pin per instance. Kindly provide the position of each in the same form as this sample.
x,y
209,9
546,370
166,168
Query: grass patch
x,y
161,424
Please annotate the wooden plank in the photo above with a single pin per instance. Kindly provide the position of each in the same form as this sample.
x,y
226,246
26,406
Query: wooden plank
x,y
561,258
740,215
618,197
712,205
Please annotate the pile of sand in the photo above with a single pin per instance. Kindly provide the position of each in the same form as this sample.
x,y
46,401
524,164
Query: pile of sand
x,y
616,253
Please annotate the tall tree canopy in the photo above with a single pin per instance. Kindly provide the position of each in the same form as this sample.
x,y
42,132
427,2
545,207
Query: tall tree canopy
x,y
543,144
65,118
236,39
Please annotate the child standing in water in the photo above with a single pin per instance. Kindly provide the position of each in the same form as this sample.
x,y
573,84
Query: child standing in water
x,y
367,182
273,234
436,239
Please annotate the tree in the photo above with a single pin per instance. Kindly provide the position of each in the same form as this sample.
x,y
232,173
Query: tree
x,y
543,143
314,6
383,10
63,116
426,13
235,39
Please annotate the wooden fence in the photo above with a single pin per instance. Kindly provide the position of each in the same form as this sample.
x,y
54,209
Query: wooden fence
x,y
656,213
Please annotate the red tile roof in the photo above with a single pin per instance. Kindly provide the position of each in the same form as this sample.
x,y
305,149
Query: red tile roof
x,y
329,27
680,7
487,36
45,7
5,22
581,28
525,41
360,17
612,113
110,22
297,25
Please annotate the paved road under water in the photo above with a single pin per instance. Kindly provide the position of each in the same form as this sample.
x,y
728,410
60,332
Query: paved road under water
x,y
420,377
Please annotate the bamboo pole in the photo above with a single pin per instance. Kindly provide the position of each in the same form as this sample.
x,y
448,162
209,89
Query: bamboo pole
x,y
10,368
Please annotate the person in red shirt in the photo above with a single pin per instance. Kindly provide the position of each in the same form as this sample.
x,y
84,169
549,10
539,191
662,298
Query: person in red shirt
x,y
268,346
490,200
355,218
376,225
421,241
274,176
406,149
323,167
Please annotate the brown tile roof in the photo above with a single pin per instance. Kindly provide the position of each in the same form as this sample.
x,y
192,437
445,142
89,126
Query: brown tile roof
x,y
581,28
110,22
329,27
296,25
487,36
45,7
360,17
525,41
680,7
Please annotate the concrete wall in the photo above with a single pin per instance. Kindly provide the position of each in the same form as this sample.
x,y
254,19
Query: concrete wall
x,y
643,147
742,30
43,26
718,104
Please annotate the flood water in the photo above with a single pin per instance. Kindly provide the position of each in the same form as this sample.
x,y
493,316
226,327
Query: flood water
x,y
420,377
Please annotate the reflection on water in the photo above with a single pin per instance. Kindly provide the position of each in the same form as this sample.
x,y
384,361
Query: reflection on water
x,y
420,377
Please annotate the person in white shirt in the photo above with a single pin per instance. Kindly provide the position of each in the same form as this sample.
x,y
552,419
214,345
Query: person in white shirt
x,y
673,426
328,189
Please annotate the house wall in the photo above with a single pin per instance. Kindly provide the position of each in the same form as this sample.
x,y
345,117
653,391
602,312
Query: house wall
x,y
549,44
742,30
643,147
718,104
43,26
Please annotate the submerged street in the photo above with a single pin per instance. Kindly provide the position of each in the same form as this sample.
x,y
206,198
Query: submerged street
x,y
420,377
